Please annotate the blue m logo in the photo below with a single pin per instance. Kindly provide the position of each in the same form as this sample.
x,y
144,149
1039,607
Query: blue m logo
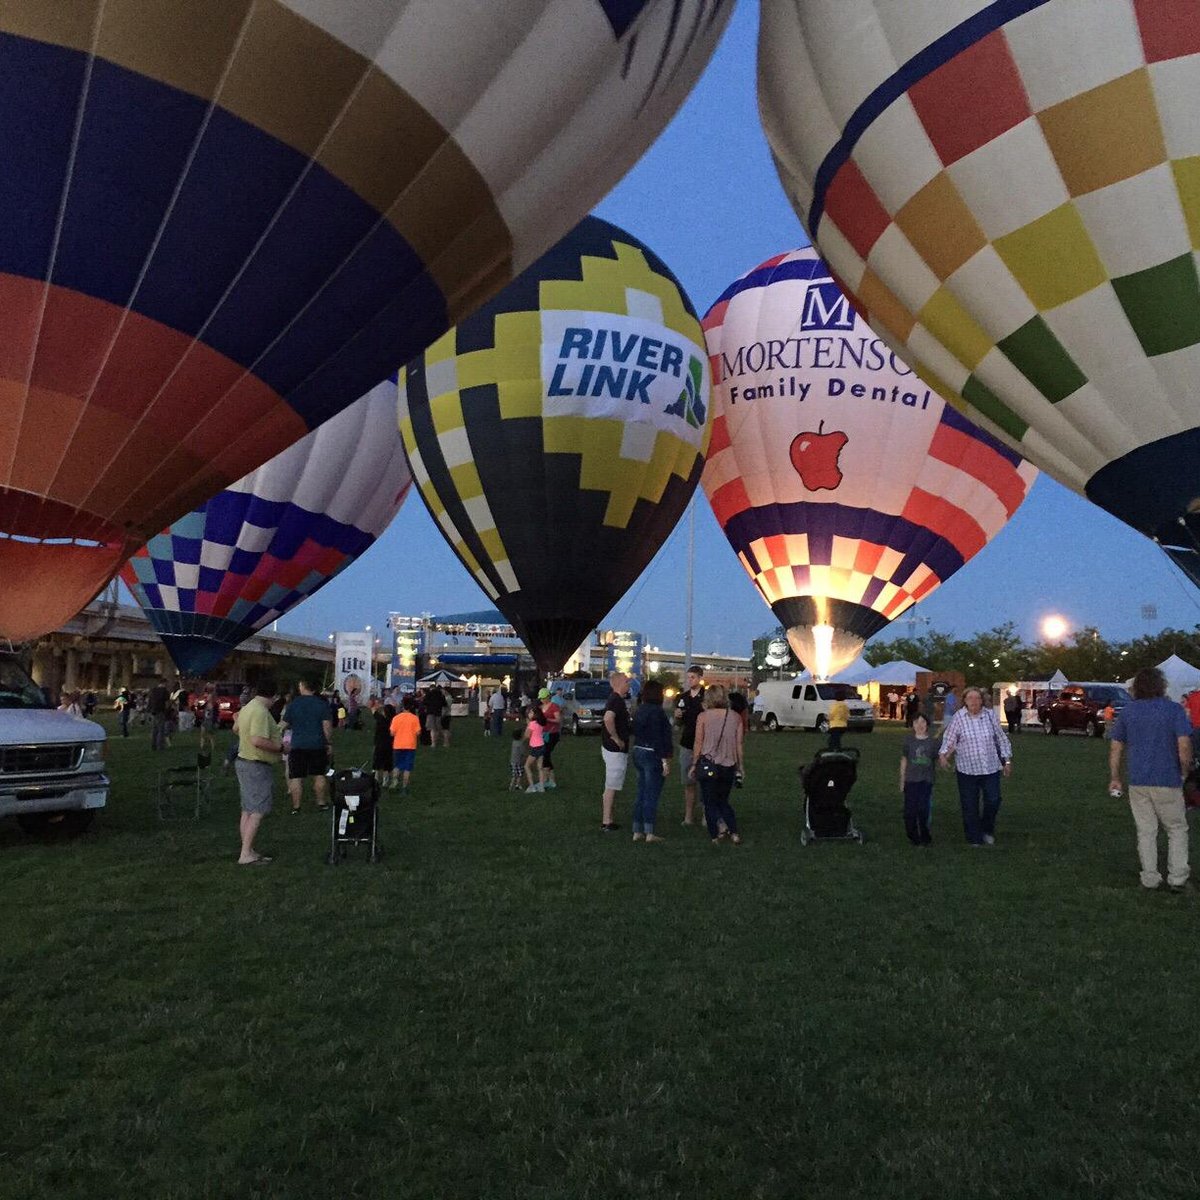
x,y
826,308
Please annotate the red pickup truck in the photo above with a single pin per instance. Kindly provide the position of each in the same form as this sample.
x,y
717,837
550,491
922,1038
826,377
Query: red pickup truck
x,y
1081,706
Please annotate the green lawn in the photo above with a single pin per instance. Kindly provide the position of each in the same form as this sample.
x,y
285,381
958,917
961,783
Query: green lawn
x,y
515,1005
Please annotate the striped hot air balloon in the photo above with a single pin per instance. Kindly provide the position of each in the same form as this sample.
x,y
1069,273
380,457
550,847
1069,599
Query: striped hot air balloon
x,y
226,220
558,434
848,488
1011,192
258,548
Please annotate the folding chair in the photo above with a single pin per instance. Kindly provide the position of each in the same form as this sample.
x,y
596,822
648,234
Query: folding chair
x,y
184,788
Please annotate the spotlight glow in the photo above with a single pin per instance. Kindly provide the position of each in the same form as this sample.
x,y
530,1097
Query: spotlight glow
x,y
1054,628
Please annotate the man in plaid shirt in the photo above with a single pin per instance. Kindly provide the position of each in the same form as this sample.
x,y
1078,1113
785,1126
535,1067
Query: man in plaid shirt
x,y
982,753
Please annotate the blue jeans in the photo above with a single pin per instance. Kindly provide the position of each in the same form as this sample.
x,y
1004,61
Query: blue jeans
x,y
971,788
918,811
650,781
497,719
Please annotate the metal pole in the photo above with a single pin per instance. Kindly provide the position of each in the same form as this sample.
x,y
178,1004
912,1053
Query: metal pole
x,y
691,572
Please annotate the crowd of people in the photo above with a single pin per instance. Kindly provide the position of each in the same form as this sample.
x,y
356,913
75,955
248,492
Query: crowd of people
x,y
701,741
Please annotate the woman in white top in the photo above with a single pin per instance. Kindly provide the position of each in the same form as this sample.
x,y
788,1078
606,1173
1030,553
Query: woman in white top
x,y
719,737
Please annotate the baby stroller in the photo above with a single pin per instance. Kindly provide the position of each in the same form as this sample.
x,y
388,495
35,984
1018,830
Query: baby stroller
x,y
354,814
827,781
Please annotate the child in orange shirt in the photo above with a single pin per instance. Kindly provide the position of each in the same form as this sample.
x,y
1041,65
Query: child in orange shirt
x,y
406,729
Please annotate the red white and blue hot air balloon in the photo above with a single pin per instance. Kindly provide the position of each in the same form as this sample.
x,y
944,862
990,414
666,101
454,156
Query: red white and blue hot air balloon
x,y
847,487
258,548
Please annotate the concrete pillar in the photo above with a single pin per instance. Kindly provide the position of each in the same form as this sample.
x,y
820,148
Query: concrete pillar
x,y
114,673
126,669
46,667
71,675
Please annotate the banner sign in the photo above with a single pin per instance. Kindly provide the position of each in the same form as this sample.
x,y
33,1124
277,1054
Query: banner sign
x,y
625,655
408,645
352,664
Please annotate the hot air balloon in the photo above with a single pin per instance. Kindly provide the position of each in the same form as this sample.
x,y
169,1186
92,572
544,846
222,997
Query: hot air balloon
x,y
1011,193
558,434
847,487
258,548
225,222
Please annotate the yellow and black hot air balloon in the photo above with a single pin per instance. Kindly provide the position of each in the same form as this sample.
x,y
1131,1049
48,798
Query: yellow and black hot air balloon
x,y
558,434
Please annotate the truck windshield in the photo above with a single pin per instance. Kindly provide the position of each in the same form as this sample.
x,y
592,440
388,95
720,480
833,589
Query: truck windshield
x,y
17,690
591,691
1110,695
836,691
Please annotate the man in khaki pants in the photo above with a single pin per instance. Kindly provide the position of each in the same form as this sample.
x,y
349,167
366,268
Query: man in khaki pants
x,y
1158,735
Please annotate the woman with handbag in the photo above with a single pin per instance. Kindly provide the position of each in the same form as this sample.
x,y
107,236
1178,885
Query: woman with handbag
x,y
718,762
982,754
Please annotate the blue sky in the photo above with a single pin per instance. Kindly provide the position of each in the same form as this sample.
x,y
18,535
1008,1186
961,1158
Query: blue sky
x,y
706,199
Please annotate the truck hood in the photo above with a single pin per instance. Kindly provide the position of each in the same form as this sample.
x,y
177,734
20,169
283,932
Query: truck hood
x,y
30,726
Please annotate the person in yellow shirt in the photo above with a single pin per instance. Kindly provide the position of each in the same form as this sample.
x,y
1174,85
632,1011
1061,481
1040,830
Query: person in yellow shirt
x,y
406,729
259,750
839,718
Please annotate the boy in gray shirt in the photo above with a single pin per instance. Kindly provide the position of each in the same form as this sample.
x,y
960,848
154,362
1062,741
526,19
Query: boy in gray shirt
x,y
917,761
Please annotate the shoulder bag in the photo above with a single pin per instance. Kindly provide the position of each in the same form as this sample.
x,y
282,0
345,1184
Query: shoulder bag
x,y
706,767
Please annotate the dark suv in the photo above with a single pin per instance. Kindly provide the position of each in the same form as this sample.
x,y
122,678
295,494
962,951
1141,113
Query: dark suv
x,y
1081,706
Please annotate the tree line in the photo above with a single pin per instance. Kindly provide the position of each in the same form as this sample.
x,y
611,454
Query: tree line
x,y
999,654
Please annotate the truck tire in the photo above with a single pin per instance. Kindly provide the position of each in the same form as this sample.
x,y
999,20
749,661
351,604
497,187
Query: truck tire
x,y
1049,726
575,724
822,725
1093,729
771,723
57,825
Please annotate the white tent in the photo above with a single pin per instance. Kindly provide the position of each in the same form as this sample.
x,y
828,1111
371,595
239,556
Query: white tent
x,y
847,674
442,678
1181,677
899,671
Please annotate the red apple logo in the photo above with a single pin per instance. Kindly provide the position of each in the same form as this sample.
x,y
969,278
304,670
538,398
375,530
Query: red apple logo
x,y
815,457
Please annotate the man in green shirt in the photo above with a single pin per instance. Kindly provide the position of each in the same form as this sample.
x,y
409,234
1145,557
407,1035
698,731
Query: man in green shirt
x,y
259,749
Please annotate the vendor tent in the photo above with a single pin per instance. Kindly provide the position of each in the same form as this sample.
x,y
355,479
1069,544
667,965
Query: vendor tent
x,y
1181,677
899,672
442,678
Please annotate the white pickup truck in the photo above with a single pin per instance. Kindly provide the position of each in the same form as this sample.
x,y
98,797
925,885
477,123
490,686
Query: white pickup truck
x,y
52,776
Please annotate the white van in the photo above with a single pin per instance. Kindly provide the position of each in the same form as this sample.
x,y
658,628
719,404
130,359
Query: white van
x,y
793,704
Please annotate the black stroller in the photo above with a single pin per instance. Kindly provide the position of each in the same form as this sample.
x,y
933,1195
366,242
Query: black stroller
x,y
827,781
355,814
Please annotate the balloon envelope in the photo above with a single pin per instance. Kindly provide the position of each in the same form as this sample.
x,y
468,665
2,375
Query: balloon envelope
x,y
847,487
257,549
225,222
558,434
1012,194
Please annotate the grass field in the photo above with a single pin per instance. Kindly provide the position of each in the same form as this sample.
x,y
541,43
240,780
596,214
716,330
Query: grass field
x,y
514,1004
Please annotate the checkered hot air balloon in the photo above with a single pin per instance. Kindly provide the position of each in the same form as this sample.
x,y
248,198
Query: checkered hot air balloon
x,y
847,487
258,548
1011,192
226,220
558,434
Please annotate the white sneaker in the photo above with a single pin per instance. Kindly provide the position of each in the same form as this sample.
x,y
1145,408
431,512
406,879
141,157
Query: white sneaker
x,y
988,840
549,785
533,787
